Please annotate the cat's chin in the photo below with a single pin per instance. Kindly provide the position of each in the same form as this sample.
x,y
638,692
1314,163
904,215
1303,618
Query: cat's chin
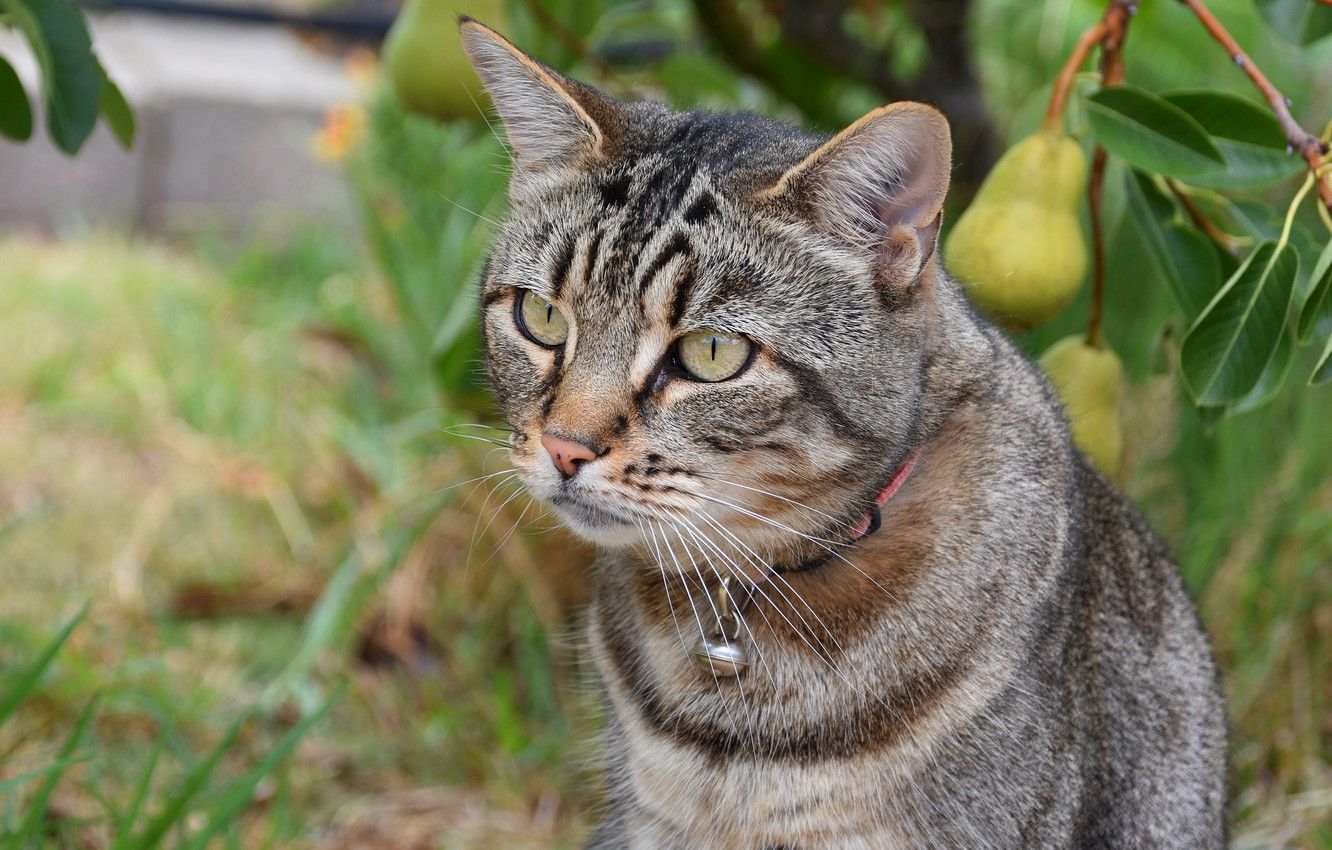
x,y
597,526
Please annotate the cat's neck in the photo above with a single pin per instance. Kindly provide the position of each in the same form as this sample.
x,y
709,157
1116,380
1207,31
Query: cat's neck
x,y
958,353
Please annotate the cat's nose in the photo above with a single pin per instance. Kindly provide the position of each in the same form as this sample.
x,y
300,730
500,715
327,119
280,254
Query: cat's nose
x,y
568,455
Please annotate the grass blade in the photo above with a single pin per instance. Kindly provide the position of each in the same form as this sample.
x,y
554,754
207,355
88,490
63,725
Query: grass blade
x,y
131,815
175,809
27,679
27,776
35,821
234,800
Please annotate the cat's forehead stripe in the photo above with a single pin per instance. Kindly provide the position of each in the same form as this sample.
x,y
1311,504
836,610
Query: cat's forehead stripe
x,y
559,272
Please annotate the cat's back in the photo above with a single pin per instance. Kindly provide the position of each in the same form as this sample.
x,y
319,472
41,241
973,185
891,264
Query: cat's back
x,y
1145,689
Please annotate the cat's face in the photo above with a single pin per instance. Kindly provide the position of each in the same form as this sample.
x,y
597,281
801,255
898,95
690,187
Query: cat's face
x,y
676,331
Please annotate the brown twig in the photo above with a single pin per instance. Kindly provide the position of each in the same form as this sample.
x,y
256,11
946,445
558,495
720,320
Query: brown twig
x,y
1298,138
1226,240
1054,113
571,41
1115,22
1098,247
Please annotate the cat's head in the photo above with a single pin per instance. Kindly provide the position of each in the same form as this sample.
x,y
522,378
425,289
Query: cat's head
x,y
704,324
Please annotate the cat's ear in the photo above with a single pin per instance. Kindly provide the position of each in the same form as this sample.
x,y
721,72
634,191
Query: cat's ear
x,y
879,185
550,121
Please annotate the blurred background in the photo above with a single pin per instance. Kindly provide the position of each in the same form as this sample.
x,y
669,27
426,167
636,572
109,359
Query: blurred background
x,y
264,578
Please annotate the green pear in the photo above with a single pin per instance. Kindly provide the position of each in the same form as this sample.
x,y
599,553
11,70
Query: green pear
x,y
425,61
1090,383
1018,249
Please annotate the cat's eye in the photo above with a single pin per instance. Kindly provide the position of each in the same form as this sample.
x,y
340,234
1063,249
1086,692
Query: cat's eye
x,y
712,356
540,321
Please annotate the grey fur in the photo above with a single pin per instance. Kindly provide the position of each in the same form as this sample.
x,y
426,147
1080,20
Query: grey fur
x,y
1010,661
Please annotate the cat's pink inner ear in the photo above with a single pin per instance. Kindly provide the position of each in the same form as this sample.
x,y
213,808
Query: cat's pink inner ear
x,y
544,119
880,185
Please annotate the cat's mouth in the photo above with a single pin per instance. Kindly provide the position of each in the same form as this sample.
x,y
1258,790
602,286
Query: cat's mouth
x,y
595,522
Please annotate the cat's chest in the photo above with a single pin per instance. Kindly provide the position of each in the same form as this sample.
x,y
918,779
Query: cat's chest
x,y
750,763
684,799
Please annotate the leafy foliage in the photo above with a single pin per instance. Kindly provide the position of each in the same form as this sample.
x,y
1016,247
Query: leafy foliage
x,y
1151,133
77,89
428,195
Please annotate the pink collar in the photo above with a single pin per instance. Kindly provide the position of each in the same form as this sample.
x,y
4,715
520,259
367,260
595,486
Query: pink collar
x,y
870,523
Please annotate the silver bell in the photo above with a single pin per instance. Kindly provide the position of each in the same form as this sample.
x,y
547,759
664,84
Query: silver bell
x,y
722,656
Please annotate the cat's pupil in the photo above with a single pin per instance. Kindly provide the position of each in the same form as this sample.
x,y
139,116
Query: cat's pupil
x,y
550,310
714,348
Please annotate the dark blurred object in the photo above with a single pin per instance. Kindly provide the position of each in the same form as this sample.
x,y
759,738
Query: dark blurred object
x,y
208,601
816,28
361,21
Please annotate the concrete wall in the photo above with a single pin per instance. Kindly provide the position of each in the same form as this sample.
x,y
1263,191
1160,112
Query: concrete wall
x,y
226,113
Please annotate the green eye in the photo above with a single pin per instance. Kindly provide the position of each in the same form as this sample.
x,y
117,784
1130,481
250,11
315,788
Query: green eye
x,y
712,356
541,321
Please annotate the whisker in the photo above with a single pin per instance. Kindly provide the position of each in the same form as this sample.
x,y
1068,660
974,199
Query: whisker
x,y
471,544
821,650
661,568
479,439
475,480
468,210
860,689
822,544
702,632
837,520
744,706
507,430
774,523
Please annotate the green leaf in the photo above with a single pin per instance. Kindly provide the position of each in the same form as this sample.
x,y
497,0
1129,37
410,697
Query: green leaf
x,y
1248,136
117,112
26,679
15,110
1322,372
1300,21
1183,256
70,74
1196,267
1226,350
1272,379
1150,133
1316,314
1255,218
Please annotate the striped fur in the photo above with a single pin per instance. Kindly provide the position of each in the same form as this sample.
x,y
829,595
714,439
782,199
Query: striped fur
x,y
1010,661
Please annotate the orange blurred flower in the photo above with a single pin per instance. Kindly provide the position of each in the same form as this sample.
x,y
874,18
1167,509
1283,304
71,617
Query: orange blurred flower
x,y
343,127
361,65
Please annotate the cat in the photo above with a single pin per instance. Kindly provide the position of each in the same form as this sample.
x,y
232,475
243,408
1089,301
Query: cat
x,y
857,588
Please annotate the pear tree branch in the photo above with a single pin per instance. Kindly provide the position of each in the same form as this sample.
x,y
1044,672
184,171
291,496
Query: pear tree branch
x,y
1115,22
1307,144
1054,113
1228,242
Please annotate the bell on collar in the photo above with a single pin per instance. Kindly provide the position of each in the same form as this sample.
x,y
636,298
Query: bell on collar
x,y
722,654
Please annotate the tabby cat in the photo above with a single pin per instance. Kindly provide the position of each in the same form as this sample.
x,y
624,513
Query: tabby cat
x,y
857,588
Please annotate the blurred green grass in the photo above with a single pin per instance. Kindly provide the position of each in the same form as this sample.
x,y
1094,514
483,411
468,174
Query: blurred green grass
x,y
190,450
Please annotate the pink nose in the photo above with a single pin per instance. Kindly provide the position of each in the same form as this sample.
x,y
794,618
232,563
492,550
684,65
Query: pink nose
x,y
567,454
